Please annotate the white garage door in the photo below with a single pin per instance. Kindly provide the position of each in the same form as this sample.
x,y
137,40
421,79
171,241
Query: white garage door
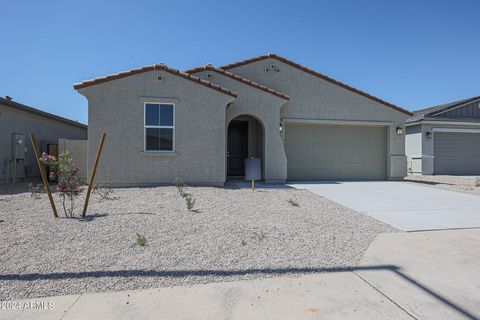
x,y
336,152
456,153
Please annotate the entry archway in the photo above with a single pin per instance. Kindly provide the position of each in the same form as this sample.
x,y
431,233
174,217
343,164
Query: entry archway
x,y
245,139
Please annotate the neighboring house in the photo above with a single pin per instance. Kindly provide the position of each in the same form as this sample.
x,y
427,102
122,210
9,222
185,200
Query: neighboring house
x,y
201,124
17,121
445,139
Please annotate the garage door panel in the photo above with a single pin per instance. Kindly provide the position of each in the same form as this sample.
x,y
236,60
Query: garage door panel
x,y
456,153
335,152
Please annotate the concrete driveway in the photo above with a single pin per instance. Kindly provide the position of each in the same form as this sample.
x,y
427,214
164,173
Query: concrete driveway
x,y
431,275
403,205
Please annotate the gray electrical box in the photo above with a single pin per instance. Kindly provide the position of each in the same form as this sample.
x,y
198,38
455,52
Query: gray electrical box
x,y
18,146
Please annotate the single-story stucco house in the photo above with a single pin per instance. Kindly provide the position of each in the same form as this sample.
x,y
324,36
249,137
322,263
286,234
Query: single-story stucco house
x,y
200,125
445,139
17,121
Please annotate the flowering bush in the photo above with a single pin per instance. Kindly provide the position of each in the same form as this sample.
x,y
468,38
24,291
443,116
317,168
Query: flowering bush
x,y
69,185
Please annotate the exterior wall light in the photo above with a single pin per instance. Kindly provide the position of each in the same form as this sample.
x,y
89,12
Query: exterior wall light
x,y
280,128
428,135
399,131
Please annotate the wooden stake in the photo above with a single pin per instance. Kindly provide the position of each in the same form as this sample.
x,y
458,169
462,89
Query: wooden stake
x,y
43,175
92,177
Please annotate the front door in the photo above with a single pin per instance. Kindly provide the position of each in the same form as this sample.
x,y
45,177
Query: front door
x,y
237,148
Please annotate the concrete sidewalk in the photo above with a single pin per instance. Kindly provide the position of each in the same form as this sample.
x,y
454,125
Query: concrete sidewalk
x,y
320,296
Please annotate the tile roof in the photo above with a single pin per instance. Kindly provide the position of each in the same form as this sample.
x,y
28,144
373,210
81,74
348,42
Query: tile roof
x,y
424,113
209,67
132,72
18,106
314,73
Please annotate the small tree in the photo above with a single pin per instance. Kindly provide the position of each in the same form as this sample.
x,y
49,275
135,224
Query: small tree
x,y
190,201
181,186
69,185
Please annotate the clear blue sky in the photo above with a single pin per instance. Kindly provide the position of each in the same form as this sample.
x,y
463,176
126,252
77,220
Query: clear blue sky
x,y
411,53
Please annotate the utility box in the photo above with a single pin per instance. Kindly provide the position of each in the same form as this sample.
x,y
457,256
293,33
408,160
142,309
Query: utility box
x,y
18,146
17,162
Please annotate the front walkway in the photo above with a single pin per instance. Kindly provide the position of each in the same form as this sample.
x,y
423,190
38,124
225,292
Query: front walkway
x,y
403,205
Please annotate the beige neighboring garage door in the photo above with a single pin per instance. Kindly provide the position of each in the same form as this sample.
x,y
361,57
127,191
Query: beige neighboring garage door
x,y
456,153
335,152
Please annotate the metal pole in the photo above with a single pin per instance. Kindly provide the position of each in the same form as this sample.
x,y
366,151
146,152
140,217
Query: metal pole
x,y
42,174
92,177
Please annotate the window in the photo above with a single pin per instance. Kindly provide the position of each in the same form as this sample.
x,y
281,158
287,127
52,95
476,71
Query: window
x,y
159,127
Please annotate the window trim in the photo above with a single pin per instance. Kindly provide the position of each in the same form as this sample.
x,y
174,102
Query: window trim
x,y
145,126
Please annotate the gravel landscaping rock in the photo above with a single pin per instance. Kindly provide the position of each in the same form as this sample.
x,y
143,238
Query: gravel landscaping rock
x,y
232,234
452,183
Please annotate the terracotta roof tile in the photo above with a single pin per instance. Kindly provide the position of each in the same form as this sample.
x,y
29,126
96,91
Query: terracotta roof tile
x,y
209,67
314,73
132,72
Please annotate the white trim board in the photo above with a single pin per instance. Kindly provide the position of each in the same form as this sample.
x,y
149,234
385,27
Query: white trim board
x,y
456,130
337,122
448,123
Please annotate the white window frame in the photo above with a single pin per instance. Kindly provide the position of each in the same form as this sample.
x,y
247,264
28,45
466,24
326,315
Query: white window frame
x,y
145,126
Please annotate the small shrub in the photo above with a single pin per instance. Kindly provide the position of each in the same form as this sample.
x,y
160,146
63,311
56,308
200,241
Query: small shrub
x,y
477,182
190,201
259,235
181,186
141,240
293,202
104,191
35,190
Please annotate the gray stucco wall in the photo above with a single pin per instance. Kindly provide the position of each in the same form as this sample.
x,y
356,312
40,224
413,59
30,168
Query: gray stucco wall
x,y
117,108
425,157
265,107
317,99
46,131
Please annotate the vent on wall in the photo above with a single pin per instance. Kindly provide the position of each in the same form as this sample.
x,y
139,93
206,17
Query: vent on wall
x,y
160,78
272,67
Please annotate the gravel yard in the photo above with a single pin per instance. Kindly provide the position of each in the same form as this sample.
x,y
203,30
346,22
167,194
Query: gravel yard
x,y
233,234
452,183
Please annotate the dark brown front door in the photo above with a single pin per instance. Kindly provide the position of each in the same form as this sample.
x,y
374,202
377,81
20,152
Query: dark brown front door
x,y
237,148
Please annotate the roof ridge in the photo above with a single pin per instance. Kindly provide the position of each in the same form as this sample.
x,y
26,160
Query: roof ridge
x,y
314,73
23,107
432,111
209,67
451,103
157,66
